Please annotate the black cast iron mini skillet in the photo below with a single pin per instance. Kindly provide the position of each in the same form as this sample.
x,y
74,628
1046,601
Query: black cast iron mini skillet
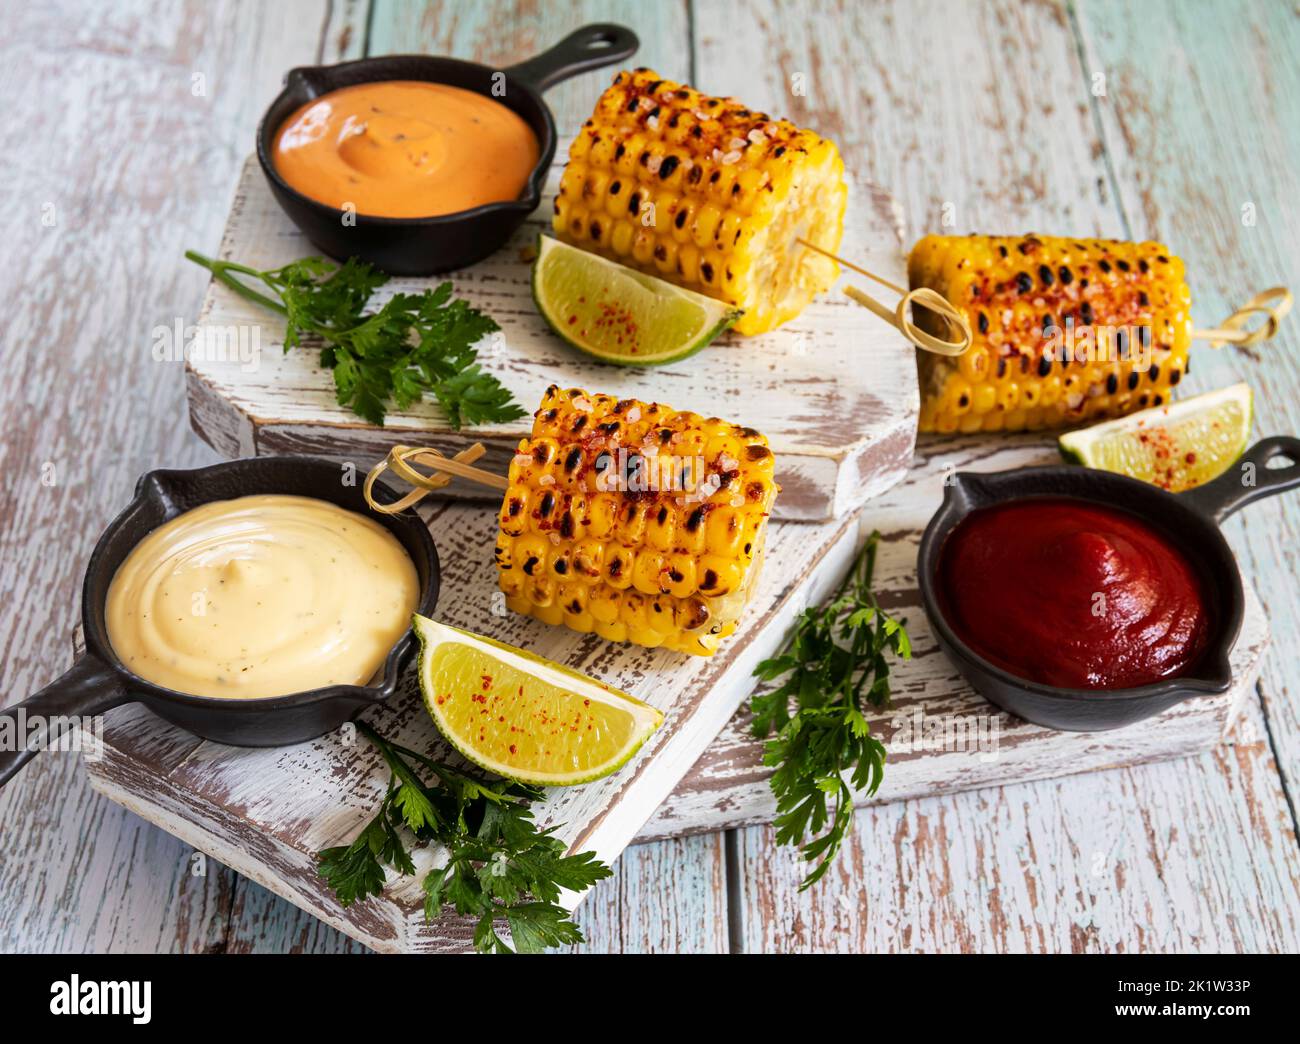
x,y
421,246
1191,519
98,681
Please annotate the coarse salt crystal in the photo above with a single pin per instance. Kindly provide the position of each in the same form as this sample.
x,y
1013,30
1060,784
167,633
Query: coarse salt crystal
x,y
755,135
653,164
522,459
582,403
634,414
730,158
546,480
736,143
653,123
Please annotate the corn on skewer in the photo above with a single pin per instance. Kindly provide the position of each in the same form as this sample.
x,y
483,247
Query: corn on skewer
x,y
1065,330
706,194
583,543
630,520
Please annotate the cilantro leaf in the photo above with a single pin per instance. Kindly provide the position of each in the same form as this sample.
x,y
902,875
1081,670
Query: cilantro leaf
x,y
835,661
411,345
500,866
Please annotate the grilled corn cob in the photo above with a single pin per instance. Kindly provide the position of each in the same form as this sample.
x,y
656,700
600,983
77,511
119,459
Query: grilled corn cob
x,y
1065,330
634,521
706,194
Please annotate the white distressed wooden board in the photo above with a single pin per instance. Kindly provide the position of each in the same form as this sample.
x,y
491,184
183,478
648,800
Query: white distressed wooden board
x,y
835,390
266,812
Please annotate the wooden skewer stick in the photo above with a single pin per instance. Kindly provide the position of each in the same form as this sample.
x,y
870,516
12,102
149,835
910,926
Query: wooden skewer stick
x,y
1233,329
401,458
1274,303
922,297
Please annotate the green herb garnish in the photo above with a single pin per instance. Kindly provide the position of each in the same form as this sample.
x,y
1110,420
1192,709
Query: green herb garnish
x,y
834,662
499,865
414,343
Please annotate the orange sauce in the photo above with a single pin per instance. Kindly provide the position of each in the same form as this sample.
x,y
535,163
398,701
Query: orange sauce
x,y
405,148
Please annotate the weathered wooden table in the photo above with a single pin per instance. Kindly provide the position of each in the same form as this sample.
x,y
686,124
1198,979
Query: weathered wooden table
x,y
1172,119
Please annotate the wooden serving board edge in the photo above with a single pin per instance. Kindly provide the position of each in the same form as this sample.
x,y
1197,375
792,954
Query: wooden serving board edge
x,y
728,786
823,480
394,921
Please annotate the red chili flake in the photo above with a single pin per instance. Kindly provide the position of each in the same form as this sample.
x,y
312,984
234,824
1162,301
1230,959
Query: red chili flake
x,y
513,750
572,319
1190,458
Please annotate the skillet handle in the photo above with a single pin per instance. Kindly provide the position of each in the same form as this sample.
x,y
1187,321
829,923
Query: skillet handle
x,y
591,47
1249,479
87,688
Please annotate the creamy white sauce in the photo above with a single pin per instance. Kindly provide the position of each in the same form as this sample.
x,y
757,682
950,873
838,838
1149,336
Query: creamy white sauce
x,y
261,596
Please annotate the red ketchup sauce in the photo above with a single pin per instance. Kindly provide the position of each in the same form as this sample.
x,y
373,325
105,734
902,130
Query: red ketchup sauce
x,y
1072,594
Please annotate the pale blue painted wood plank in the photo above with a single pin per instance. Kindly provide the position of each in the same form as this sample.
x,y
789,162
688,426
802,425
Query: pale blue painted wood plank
x,y
1202,119
994,115
668,896
504,33
1196,855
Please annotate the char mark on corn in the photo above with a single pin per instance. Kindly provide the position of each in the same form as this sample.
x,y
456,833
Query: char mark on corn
x,y
1065,330
707,194
635,521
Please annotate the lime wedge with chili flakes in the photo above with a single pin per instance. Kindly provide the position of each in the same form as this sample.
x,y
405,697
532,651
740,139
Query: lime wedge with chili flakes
x,y
620,315
1175,447
520,715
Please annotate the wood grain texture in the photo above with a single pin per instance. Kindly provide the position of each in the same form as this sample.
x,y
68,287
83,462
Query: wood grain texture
x,y
942,736
85,405
970,113
813,387
992,113
991,125
1242,135
268,812
507,31
1197,855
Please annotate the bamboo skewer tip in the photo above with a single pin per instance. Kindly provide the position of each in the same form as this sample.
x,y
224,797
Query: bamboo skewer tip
x,y
901,317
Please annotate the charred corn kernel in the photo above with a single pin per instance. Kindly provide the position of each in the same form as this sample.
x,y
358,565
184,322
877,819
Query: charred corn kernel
x,y
635,521
1065,330
573,600
707,194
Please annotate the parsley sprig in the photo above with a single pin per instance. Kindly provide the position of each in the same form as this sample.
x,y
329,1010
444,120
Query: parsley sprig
x,y
412,344
824,752
499,865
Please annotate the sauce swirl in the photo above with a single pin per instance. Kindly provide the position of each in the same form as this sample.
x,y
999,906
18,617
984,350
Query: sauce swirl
x,y
261,596
1073,594
406,148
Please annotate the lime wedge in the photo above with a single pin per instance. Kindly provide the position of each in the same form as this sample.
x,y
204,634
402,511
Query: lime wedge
x,y
522,716
620,315
1174,447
